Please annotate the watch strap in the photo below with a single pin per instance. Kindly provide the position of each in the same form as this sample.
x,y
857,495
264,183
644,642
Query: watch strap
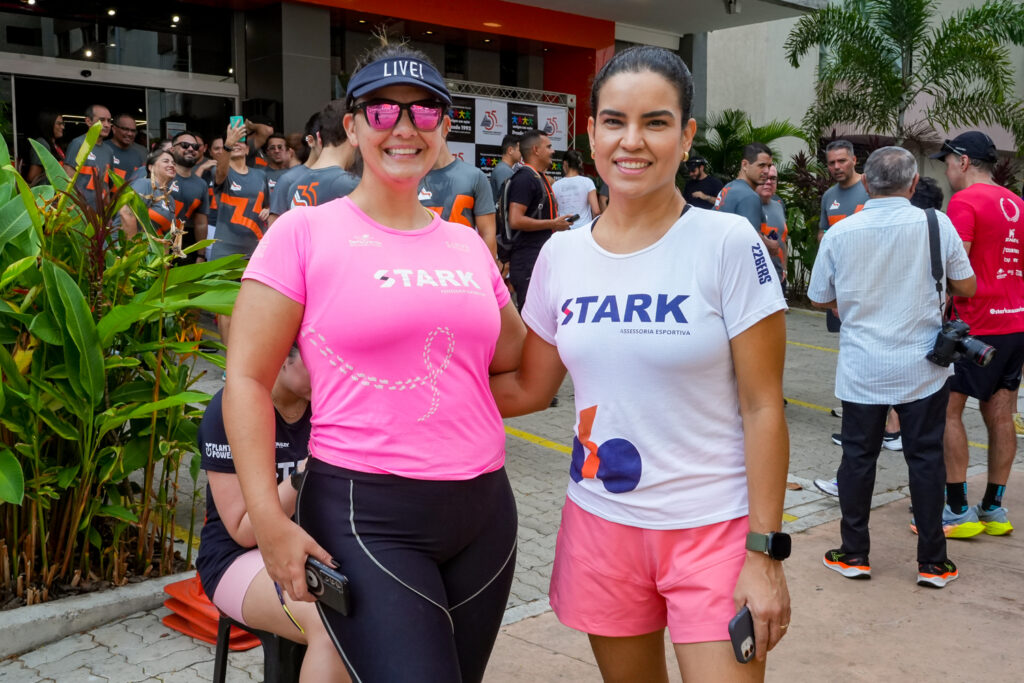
x,y
757,543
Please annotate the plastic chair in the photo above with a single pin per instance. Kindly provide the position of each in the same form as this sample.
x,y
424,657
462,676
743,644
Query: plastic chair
x,y
282,658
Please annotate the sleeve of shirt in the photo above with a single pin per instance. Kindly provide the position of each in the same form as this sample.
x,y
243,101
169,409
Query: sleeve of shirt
x,y
214,450
958,265
751,209
483,203
279,260
280,197
521,189
204,201
822,287
539,314
961,214
747,281
72,152
823,221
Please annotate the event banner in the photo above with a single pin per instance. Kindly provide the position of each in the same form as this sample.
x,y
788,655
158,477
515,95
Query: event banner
x,y
479,124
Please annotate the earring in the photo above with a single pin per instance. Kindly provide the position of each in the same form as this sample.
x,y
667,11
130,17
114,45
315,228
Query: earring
x,y
686,157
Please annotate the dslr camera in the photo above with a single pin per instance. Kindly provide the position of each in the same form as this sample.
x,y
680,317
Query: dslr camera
x,y
954,342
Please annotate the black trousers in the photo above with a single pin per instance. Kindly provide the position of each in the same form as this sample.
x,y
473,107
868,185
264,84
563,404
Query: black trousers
x,y
520,269
922,425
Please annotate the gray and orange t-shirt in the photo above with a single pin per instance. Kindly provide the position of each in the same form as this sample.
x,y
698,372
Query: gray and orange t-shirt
x,y
739,198
240,198
459,192
320,185
837,203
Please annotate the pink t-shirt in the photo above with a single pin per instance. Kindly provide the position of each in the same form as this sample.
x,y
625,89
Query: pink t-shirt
x,y
989,216
398,332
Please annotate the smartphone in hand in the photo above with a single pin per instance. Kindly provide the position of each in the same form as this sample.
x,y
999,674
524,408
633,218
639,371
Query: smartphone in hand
x,y
572,219
741,633
327,585
235,122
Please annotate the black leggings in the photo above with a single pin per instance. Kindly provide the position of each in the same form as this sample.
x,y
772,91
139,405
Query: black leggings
x,y
429,564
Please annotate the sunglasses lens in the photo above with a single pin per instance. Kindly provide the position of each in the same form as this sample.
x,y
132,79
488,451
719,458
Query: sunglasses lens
x,y
425,117
382,115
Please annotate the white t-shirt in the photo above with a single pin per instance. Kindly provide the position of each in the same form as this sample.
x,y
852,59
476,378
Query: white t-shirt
x,y
645,336
571,195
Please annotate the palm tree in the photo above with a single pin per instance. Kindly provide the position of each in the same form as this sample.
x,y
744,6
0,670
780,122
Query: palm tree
x,y
721,139
881,58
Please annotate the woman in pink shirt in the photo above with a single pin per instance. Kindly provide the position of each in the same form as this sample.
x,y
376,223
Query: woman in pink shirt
x,y
401,318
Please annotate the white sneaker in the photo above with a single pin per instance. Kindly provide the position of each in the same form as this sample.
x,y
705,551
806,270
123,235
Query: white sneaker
x,y
828,486
893,441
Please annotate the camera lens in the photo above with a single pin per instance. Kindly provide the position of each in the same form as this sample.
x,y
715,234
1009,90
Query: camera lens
x,y
978,351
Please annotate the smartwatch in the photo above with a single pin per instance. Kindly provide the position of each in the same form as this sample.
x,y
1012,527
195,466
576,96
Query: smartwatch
x,y
775,544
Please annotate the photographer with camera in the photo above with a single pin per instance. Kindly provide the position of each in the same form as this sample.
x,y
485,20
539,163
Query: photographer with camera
x,y
876,267
987,217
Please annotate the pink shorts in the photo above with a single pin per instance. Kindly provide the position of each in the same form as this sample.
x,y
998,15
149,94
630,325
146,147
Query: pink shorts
x,y
615,580
234,584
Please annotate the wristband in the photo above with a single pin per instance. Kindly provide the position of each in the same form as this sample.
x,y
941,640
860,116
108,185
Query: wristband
x,y
228,148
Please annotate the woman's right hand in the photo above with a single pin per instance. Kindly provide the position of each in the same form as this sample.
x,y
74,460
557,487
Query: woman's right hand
x,y
284,546
234,134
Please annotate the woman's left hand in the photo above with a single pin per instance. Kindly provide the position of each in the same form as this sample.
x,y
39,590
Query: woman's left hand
x,y
762,587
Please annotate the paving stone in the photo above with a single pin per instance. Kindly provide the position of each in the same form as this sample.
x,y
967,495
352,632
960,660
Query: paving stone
x,y
189,675
116,668
190,654
15,671
58,651
61,669
117,638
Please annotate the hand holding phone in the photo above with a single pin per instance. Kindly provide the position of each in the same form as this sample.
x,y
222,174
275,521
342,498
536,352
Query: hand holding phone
x,y
741,633
573,218
238,122
327,585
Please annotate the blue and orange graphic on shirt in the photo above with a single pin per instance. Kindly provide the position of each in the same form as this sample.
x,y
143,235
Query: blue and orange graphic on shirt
x,y
616,462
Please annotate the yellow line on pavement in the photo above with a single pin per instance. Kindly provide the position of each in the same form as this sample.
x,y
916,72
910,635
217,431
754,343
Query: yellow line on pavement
x,y
823,409
539,440
812,346
812,406
786,517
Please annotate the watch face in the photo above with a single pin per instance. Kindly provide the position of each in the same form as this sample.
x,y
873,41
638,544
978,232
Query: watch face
x,y
780,546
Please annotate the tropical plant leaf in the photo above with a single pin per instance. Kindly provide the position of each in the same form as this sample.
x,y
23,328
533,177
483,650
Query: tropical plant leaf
x,y
45,328
81,329
12,479
13,271
120,318
117,512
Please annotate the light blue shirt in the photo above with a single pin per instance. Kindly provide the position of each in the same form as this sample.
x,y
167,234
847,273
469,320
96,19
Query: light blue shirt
x,y
876,265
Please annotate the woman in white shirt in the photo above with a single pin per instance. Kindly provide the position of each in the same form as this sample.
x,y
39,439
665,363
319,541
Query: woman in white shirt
x,y
575,193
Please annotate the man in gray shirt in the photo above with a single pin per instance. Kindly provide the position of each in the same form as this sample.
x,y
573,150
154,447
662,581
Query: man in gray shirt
x,y
126,156
92,178
329,178
848,195
774,232
510,156
740,196
876,267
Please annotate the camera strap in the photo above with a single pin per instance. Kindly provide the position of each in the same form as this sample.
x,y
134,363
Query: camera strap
x,y
933,246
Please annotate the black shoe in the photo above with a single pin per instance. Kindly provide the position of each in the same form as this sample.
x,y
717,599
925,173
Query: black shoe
x,y
837,439
554,402
850,566
936,574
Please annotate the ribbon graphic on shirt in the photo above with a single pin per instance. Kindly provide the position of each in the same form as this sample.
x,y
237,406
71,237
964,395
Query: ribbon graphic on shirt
x,y
430,379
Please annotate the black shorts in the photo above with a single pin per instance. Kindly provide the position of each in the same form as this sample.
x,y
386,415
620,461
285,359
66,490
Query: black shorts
x,y
430,566
1002,373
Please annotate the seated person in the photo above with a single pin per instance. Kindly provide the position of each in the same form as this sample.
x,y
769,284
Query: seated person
x,y
229,564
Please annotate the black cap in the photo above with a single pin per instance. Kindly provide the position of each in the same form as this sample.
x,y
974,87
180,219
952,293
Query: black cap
x,y
694,162
973,143
397,71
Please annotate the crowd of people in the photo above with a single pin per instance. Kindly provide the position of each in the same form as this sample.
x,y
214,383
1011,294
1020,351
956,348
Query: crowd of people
x,y
398,303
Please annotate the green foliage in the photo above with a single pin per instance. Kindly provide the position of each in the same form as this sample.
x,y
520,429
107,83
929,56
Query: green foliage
x,y
721,139
883,58
802,182
97,356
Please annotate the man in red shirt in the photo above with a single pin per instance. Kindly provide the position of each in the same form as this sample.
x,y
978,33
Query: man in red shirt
x,y
989,220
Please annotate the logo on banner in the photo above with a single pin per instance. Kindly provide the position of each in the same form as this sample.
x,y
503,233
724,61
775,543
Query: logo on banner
x,y
490,119
524,120
551,126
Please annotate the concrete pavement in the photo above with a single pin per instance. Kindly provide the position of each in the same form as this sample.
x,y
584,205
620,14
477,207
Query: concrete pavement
x,y
885,629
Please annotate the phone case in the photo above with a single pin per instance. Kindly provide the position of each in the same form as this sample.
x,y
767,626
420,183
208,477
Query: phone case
x,y
741,633
327,585
234,121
